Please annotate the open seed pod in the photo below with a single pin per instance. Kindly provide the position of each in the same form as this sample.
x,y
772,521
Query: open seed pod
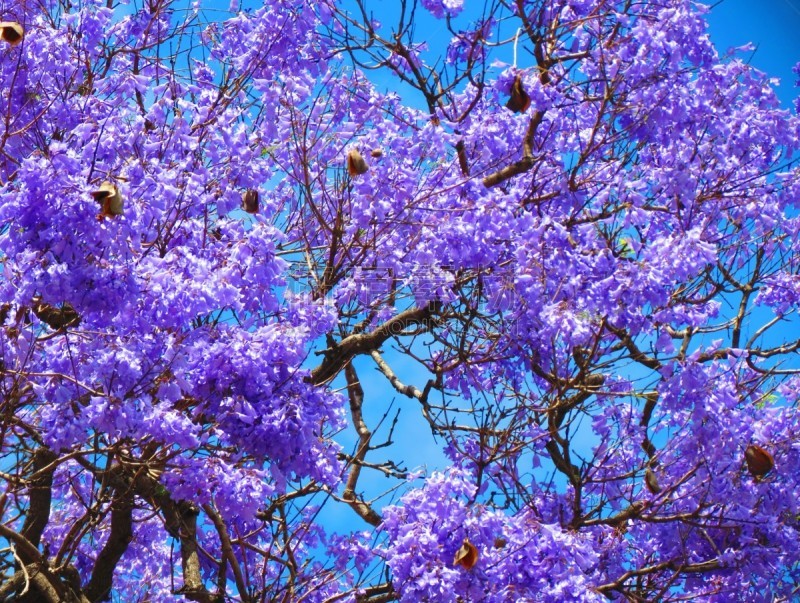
x,y
355,163
109,198
250,201
759,461
54,317
467,555
11,32
519,101
651,481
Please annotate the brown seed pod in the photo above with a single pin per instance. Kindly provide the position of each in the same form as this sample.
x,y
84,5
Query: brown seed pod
x,y
467,555
500,542
376,153
355,163
11,32
519,101
651,481
250,201
56,318
110,200
759,461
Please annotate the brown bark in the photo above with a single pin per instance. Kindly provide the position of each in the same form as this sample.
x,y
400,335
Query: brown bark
x,y
39,497
99,587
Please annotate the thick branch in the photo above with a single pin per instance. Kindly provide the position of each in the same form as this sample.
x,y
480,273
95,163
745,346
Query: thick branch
x,y
99,587
409,390
26,581
356,395
25,547
688,568
588,386
377,594
524,164
180,519
39,497
406,390
42,584
632,512
184,516
361,343
636,354
227,552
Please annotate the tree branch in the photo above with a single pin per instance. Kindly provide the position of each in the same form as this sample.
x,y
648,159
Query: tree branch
x,y
360,343
99,587
356,395
39,497
227,552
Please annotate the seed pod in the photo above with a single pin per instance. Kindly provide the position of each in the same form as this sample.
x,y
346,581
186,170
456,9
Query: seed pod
x,y
250,201
500,542
759,461
467,555
11,32
56,318
107,189
651,481
355,163
519,101
109,198
376,153
85,88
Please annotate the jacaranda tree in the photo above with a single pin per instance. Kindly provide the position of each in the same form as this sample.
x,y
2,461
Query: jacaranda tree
x,y
559,235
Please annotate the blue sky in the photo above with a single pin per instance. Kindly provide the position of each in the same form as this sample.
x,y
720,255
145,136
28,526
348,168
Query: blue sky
x,y
773,26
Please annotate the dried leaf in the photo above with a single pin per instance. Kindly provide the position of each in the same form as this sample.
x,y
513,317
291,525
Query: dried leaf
x,y
11,32
355,163
759,461
467,555
519,101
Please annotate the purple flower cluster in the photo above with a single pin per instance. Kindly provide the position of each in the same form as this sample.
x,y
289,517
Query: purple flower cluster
x,y
520,556
444,8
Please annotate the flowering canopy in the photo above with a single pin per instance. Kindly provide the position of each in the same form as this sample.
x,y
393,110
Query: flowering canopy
x,y
565,236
